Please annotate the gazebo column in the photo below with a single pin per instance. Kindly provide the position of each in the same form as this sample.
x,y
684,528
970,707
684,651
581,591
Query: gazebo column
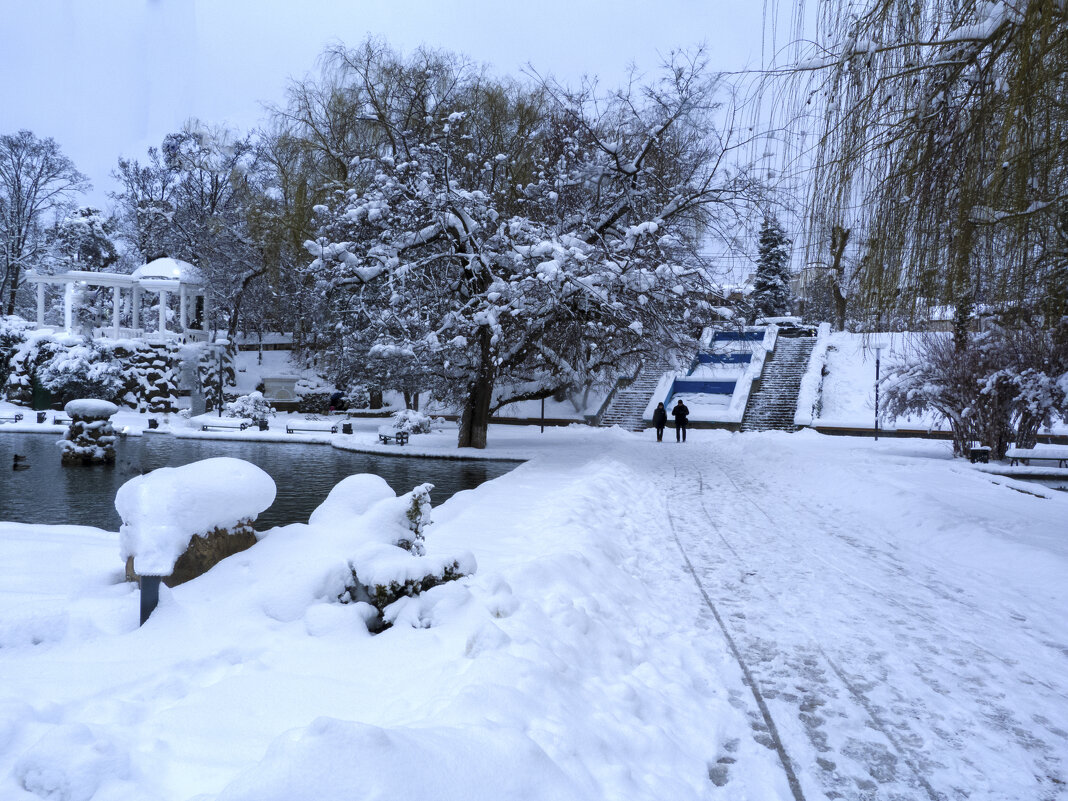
x,y
163,311
135,311
68,306
40,304
115,307
183,303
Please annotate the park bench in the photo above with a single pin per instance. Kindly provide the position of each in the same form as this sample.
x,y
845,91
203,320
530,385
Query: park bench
x,y
400,436
290,428
60,420
227,426
1026,455
11,418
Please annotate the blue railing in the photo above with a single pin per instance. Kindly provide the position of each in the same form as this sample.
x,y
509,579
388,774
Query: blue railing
x,y
700,386
737,357
738,336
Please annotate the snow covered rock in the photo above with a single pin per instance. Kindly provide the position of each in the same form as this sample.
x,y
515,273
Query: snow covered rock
x,y
164,510
90,437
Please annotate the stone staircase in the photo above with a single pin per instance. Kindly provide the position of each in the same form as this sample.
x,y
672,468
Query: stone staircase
x,y
772,406
629,402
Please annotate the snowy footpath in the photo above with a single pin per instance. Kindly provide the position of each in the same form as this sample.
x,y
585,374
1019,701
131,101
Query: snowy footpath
x,y
759,616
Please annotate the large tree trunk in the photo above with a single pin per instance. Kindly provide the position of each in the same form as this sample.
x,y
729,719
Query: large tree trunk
x,y
13,274
839,238
475,419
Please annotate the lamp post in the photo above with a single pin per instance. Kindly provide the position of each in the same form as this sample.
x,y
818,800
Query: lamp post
x,y
878,347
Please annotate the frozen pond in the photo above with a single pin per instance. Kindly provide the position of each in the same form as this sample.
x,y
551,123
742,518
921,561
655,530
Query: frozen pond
x,y
51,494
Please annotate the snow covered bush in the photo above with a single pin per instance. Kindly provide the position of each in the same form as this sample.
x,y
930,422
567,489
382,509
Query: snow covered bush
x,y
991,387
12,334
31,357
411,421
208,373
151,372
358,397
82,371
252,406
391,562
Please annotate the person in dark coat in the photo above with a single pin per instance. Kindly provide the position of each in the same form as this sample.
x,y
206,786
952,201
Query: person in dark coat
x,y
659,421
680,413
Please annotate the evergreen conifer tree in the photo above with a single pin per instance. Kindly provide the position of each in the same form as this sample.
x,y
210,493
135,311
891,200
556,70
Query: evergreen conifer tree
x,y
771,286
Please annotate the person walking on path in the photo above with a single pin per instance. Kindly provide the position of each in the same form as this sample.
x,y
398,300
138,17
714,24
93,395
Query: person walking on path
x,y
659,421
680,413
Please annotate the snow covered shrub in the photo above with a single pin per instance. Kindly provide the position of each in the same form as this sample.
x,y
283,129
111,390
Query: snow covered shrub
x,y
396,566
991,386
358,397
411,421
314,401
208,373
12,334
151,372
31,357
253,406
82,371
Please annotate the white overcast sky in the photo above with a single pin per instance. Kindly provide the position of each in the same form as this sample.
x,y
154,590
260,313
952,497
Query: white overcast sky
x,y
111,77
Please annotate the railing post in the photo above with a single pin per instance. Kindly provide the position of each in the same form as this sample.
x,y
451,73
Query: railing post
x,y
149,596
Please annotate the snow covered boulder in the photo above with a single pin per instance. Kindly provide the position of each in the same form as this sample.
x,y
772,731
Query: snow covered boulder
x,y
180,521
90,437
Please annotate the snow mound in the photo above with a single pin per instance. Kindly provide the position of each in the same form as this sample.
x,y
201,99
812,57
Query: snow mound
x,y
90,409
163,510
335,760
350,498
73,763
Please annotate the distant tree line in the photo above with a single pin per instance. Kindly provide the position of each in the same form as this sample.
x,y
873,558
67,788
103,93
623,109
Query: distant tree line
x,y
421,224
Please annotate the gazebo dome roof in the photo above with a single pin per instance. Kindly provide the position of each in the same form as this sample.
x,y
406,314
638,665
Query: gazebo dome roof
x,y
172,269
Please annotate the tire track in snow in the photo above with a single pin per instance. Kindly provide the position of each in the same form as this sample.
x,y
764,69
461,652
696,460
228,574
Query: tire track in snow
x,y
986,713
769,722
812,702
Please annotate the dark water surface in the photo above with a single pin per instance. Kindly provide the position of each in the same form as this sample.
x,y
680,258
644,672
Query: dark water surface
x,y
49,493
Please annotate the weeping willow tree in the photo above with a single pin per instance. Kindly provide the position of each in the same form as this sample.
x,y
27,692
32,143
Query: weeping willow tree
x,y
939,173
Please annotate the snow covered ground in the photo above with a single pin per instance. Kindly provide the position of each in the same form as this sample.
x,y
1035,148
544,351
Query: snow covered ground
x,y
762,616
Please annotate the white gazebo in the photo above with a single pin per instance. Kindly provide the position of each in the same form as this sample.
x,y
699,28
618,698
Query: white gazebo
x,y
165,276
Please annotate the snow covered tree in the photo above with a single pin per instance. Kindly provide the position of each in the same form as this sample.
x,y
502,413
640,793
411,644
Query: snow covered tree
x,y
522,239
771,294
36,181
993,387
82,241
